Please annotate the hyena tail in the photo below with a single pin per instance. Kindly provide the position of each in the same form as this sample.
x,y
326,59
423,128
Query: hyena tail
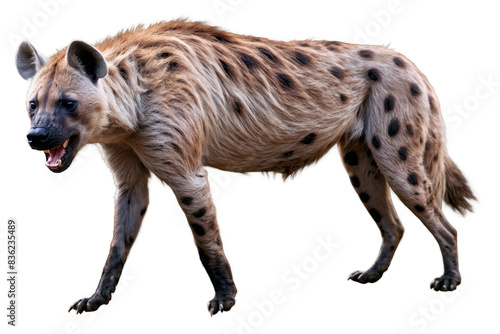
x,y
457,191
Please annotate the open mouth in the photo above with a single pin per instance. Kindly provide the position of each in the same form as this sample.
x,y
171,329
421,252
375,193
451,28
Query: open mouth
x,y
59,158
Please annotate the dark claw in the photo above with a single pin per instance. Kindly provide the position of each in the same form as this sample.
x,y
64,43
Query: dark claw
x,y
354,276
365,277
78,305
220,304
211,310
89,304
82,305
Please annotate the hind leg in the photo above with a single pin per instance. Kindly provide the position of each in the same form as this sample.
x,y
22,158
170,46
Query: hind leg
x,y
408,178
373,190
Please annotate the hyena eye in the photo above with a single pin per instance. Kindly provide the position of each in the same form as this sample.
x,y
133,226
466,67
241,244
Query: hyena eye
x,y
33,105
69,105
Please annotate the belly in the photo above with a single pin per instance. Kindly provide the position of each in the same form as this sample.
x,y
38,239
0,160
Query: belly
x,y
284,153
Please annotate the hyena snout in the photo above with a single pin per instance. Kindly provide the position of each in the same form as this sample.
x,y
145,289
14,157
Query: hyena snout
x,y
58,145
38,137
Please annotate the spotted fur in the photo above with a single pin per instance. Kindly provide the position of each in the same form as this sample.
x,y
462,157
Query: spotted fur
x,y
174,97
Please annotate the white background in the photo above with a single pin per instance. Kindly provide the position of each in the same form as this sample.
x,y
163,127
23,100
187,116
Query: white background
x,y
267,225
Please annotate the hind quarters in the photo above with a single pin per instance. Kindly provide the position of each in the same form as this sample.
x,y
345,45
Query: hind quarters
x,y
404,139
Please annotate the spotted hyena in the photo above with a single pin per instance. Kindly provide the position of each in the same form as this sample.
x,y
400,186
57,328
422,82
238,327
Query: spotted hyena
x,y
174,97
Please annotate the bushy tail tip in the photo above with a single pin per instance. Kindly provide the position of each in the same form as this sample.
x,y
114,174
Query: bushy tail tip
x,y
458,194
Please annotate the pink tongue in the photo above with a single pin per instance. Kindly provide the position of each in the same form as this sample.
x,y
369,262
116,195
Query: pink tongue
x,y
55,155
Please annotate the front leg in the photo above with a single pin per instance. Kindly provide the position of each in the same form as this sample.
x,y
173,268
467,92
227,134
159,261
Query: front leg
x,y
131,202
193,193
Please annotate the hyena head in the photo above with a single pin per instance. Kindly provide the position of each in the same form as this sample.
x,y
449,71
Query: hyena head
x,y
66,101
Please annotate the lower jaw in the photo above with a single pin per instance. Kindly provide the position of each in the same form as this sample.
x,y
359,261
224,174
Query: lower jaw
x,y
62,165
59,164
58,169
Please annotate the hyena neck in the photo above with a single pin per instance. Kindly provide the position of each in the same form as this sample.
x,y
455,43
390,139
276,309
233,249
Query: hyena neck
x,y
122,87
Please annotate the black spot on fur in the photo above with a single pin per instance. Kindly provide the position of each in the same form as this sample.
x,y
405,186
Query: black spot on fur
x,y
237,107
186,200
179,131
223,39
308,139
143,211
364,197
301,58
198,229
337,72
331,48
200,213
366,53
419,208
389,103
414,90
226,68
413,179
376,142
176,147
267,53
398,61
123,73
403,153
157,147
166,134
373,74
163,55
377,217
172,65
369,153
355,181
332,43
288,154
351,158
304,44
393,127
248,60
343,98
285,80
409,129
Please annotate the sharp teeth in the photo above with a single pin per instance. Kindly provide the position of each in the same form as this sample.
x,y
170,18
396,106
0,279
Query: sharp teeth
x,y
66,143
59,163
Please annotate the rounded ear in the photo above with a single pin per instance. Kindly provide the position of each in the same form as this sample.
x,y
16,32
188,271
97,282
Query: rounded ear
x,y
28,60
87,59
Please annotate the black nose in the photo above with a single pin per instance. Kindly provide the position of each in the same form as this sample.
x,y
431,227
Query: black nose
x,y
37,136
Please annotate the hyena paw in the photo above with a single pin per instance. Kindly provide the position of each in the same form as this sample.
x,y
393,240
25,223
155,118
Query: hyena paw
x,y
220,303
369,276
447,282
89,304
